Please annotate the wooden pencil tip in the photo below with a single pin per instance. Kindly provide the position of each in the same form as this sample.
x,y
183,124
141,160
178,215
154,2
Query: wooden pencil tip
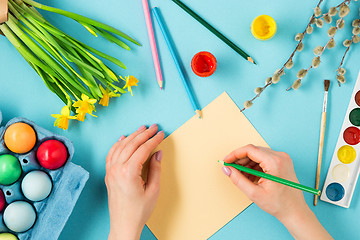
x,y
221,162
251,60
326,85
198,112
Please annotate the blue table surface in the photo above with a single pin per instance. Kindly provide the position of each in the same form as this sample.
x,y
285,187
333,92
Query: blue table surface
x,y
288,121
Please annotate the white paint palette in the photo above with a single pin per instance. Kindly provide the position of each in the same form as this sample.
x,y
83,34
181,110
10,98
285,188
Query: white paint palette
x,y
344,169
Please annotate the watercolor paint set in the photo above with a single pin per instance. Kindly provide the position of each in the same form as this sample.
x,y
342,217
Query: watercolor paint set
x,y
344,169
39,185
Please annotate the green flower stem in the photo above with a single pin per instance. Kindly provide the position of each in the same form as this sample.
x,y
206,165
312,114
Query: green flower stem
x,y
64,37
42,54
81,18
23,50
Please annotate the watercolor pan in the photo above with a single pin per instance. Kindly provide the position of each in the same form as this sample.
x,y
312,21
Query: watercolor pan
x,y
344,168
68,182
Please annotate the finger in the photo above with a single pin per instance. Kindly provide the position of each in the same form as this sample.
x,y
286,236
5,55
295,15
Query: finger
x,y
154,172
255,153
125,141
111,152
243,161
243,183
142,153
139,140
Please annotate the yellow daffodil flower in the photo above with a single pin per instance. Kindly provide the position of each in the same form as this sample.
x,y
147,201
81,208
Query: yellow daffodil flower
x,y
84,106
130,82
107,94
62,120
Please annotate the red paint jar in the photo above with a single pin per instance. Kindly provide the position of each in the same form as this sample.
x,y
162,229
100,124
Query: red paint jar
x,y
203,64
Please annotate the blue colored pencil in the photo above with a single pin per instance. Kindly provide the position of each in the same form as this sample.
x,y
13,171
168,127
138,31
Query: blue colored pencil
x,y
159,20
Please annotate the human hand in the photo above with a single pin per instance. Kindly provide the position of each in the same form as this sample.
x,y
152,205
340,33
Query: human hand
x,y
132,199
285,203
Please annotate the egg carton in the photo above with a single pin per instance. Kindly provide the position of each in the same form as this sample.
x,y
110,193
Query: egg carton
x,y
68,182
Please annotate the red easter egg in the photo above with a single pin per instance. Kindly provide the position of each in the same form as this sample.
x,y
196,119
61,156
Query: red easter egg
x,y
52,154
2,201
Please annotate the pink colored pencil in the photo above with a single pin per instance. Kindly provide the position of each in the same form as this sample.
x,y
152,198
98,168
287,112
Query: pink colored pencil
x,y
152,43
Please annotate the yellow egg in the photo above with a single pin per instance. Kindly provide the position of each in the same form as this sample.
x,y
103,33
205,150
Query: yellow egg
x,y
20,138
7,236
263,27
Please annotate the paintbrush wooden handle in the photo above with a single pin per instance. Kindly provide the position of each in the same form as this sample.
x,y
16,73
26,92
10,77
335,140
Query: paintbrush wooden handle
x,y
321,146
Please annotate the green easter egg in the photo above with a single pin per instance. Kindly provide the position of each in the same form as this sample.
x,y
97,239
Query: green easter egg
x,y
7,236
10,169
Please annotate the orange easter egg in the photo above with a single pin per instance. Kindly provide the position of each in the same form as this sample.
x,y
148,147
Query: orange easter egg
x,y
20,138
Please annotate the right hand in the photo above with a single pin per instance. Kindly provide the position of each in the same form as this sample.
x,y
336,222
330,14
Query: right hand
x,y
275,198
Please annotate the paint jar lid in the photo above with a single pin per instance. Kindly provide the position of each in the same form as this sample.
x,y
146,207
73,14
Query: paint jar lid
x,y
263,27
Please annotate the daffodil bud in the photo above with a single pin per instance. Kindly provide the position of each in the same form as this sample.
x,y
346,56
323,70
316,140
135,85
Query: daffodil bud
x,y
296,84
340,78
332,31
331,43
309,29
315,62
300,47
319,23
318,50
344,10
299,36
356,30
340,23
356,23
356,39
301,73
333,11
275,78
327,18
341,71
347,43
317,11
267,80
258,90
247,104
289,64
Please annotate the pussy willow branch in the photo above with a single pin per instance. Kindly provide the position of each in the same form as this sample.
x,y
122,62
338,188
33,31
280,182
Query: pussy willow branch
x,y
347,2
291,56
295,50
342,61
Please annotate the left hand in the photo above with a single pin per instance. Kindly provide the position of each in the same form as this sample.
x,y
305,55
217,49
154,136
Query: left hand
x,y
131,199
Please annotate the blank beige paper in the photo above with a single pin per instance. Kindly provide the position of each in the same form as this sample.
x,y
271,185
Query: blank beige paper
x,y
196,198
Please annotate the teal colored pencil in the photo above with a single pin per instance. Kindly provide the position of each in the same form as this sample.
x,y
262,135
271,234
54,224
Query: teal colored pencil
x,y
180,69
272,178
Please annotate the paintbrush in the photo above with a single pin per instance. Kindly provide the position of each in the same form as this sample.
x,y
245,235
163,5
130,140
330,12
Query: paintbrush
x,y
322,135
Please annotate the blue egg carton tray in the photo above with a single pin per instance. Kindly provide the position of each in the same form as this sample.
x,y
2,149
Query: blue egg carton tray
x,y
68,182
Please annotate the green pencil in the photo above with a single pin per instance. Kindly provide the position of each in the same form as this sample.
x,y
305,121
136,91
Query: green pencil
x,y
214,31
273,178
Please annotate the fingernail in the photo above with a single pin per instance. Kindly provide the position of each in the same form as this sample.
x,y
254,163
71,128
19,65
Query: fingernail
x,y
142,127
158,155
160,132
122,137
154,125
226,171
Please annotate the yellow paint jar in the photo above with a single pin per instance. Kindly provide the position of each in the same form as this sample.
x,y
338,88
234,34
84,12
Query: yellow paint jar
x,y
263,27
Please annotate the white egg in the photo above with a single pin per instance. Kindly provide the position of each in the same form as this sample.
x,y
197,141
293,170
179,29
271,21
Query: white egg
x,y
19,216
36,186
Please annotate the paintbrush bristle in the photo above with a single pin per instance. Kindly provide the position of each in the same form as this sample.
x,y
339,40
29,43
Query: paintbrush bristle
x,y
326,85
